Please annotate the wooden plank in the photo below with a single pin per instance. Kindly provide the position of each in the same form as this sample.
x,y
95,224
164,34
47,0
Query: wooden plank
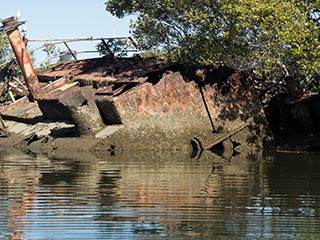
x,y
220,137
54,85
67,86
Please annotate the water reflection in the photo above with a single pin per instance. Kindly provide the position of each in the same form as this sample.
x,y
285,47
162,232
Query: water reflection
x,y
159,195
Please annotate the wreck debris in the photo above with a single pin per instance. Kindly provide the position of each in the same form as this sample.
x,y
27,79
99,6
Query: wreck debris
x,y
71,103
223,136
148,98
156,104
2,126
152,100
10,86
83,110
10,27
5,74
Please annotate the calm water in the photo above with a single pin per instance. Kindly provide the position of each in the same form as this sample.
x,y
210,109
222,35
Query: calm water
x,y
162,195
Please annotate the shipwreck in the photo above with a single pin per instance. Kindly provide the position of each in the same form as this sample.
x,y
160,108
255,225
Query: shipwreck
x,y
133,103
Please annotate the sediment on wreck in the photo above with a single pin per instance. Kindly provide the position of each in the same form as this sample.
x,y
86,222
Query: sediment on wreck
x,y
135,103
76,105
177,109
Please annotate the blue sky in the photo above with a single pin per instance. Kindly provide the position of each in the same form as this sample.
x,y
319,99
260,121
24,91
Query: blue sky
x,y
66,19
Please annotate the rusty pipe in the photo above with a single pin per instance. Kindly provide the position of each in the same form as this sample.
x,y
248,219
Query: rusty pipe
x,y
10,27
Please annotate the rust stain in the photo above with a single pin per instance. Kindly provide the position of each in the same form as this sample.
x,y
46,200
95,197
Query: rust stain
x,y
10,26
138,92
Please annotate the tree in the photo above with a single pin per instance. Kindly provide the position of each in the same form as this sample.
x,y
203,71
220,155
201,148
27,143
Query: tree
x,y
112,46
283,36
273,38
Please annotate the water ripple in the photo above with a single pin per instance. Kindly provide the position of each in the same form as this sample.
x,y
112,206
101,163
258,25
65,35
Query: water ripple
x,y
152,196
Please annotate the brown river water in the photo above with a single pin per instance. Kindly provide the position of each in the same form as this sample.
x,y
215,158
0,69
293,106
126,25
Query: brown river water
x,y
160,196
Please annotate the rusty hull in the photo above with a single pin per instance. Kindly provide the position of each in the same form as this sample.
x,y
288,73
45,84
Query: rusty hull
x,y
154,102
176,108
162,103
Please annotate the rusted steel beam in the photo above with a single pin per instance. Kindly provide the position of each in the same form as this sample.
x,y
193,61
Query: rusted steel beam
x,y
10,27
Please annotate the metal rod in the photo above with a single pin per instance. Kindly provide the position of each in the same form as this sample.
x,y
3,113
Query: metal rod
x,y
207,108
61,39
15,87
71,52
77,39
17,80
106,46
127,50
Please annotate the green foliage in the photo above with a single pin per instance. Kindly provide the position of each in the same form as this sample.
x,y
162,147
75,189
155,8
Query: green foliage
x,y
52,54
112,46
4,47
270,37
4,42
153,54
282,35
